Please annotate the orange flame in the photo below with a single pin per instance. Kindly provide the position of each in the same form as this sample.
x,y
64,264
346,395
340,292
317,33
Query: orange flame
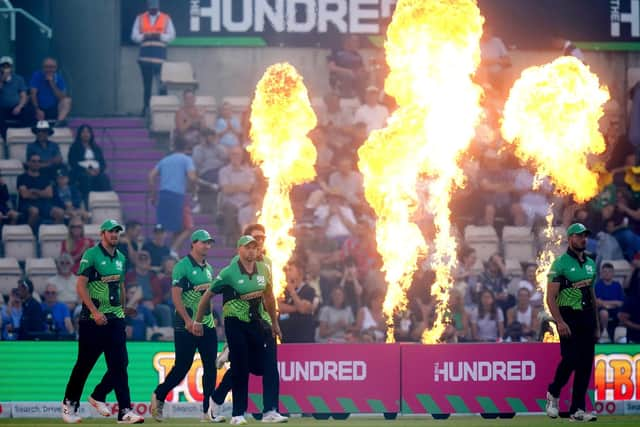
x,y
281,117
546,257
432,49
552,117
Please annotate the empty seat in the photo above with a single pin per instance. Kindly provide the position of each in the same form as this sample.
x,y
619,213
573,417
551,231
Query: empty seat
x,y
92,231
178,76
518,243
163,112
208,104
39,270
51,237
10,169
10,273
239,104
621,269
19,242
483,239
514,267
19,138
104,205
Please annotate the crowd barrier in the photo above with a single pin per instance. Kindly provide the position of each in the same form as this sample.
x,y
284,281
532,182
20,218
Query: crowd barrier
x,y
495,380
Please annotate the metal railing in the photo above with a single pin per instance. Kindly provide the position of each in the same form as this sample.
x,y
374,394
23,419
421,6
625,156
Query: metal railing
x,y
12,11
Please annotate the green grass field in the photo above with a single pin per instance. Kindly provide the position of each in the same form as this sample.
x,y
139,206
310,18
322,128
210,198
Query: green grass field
x,y
456,421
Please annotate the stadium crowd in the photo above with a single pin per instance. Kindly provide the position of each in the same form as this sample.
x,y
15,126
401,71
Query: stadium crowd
x,y
335,287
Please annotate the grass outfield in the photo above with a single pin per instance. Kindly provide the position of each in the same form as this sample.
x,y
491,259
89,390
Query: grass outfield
x,y
456,421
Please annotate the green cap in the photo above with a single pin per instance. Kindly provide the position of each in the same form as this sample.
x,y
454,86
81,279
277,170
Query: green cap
x,y
245,240
201,236
577,228
111,224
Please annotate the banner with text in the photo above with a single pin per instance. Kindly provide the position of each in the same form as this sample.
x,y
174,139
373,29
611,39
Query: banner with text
x,y
321,23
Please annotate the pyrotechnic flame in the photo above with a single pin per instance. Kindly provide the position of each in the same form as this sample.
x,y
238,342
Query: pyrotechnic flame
x,y
281,117
545,259
432,49
552,118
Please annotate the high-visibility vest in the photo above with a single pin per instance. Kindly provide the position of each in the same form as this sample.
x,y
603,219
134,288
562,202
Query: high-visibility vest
x,y
153,50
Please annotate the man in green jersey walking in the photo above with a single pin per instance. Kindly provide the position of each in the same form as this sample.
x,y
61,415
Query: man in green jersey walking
x,y
102,327
191,277
572,303
247,289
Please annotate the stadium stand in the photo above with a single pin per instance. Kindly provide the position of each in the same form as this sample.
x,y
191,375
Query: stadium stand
x,y
50,237
39,270
10,272
10,169
104,205
19,242
178,76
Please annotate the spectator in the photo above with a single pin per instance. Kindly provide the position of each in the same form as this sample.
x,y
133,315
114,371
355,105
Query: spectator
x,y
236,182
141,317
48,94
48,151
487,323
157,247
522,319
297,307
173,212
324,161
65,281
153,30
56,314
372,113
147,281
465,280
11,315
87,164
190,119
347,182
533,205
495,58
337,219
336,121
409,325
457,319
336,320
8,215
209,157
228,127
349,283
76,243
609,299
347,73
568,48
494,277
370,321
131,241
530,282
66,197
32,321
630,313
35,193
496,187
13,98
162,289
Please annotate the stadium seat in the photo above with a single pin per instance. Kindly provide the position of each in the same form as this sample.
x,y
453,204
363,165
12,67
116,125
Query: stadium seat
x,y
621,270
10,273
104,205
19,241
51,237
514,267
518,243
239,104
208,104
178,76
19,138
558,235
92,231
10,169
483,239
163,112
39,270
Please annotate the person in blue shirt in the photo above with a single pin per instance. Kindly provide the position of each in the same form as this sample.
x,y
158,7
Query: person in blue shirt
x,y
49,93
48,151
13,98
609,298
57,317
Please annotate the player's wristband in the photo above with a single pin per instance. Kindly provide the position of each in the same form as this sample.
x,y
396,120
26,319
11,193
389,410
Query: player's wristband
x,y
196,323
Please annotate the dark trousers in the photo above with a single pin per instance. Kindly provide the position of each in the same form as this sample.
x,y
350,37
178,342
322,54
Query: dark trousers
x,y
94,340
7,119
150,71
577,353
186,345
252,349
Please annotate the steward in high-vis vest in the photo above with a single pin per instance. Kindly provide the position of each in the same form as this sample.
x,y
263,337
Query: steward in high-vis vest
x,y
153,30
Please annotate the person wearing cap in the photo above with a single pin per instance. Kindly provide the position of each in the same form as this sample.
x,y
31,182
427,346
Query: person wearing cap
x,y
157,247
251,326
191,278
49,94
153,30
572,302
372,113
35,194
13,97
49,151
32,321
66,196
101,329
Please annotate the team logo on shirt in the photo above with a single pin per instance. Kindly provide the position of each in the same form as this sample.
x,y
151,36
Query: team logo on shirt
x,y
208,275
261,281
589,269
118,264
